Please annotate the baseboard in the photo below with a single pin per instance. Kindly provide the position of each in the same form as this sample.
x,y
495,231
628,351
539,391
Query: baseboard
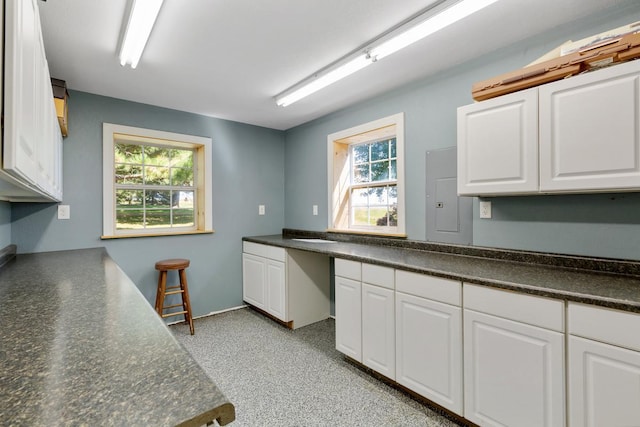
x,y
213,313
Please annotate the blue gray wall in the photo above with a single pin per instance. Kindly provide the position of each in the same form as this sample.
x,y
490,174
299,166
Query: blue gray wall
x,y
5,224
248,170
594,225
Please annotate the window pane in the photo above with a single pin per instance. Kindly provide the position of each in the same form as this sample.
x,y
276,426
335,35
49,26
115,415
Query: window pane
x,y
183,217
360,216
181,158
182,199
129,199
157,218
182,177
156,175
156,155
127,219
393,173
360,153
381,217
360,197
380,150
378,195
128,153
393,195
128,174
392,142
380,171
157,198
361,173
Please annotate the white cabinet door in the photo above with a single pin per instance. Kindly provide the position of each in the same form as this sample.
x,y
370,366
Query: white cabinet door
x,y
348,306
378,329
22,72
429,349
604,384
589,138
513,373
498,145
276,290
254,289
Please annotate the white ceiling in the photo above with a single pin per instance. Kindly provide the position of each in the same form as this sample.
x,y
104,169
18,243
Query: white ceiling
x,y
229,58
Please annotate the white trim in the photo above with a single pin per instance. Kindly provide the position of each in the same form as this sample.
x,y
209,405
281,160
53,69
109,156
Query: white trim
x,y
177,139
398,121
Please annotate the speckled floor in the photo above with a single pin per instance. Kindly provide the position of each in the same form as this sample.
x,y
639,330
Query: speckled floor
x,y
278,377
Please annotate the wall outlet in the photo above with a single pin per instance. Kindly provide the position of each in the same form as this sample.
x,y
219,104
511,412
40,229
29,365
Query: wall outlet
x,y
485,209
64,212
261,209
315,209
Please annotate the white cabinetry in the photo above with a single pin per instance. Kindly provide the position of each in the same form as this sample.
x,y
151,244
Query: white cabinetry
x,y
583,130
365,314
603,367
290,285
348,306
429,337
378,319
589,138
513,359
498,145
31,143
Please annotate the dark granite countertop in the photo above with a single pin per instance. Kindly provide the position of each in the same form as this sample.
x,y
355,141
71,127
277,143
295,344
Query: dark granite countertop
x,y
614,290
80,345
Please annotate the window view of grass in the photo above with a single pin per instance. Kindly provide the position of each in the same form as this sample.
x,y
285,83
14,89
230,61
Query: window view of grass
x,y
154,187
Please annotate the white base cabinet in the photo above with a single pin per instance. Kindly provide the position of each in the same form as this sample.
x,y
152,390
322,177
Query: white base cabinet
x,y
604,367
290,285
513,365
429,338
348,306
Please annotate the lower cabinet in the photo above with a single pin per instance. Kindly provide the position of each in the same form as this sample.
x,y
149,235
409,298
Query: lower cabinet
x,y
378,320
429,338
290,285
604,367
348,306
513,359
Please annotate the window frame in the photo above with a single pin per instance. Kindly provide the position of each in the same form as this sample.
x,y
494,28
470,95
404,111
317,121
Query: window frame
x,y
203,215
339,173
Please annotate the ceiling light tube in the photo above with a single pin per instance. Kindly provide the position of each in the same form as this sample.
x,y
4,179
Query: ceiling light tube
x,y
429,26
427,23
141,19
291,96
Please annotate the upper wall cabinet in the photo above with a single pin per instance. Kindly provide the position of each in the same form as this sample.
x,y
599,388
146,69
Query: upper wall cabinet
x,y
576,135
498,145
31,139
590,131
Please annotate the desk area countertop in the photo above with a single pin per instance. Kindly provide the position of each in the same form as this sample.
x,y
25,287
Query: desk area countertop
x,y
80,345
539,274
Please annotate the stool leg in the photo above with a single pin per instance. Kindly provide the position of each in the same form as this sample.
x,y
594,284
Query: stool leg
x,y
185,300
162,284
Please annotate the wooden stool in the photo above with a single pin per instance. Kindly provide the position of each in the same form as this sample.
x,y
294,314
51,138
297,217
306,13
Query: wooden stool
x,y
164,266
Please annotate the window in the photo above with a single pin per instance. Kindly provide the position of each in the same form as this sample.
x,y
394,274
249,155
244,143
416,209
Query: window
x,y
366,178
155,183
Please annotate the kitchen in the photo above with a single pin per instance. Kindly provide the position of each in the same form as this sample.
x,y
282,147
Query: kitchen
x,y
278,167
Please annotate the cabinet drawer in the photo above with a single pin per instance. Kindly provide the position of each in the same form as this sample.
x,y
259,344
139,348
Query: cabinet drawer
x,y
605,325
378,275
537,311
425,286
348,269
265,251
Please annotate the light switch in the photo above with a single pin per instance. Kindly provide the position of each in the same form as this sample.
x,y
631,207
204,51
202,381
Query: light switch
x,y
261,210
315,209
64,212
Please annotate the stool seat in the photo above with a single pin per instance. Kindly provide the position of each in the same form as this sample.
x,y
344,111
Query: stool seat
x,y
172,264
181,289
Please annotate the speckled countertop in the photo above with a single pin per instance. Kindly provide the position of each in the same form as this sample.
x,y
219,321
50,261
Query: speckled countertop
x,y
520,271
80,345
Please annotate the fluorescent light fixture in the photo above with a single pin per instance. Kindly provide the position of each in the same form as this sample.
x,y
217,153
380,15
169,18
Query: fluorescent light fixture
x,y
429,26
319,82
141,19
429,22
